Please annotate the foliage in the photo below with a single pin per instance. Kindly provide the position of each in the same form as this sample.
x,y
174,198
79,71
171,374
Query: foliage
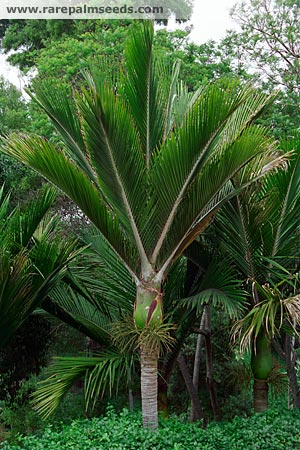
x,y
14,116
17,416
101,373
31,36
22,356
199,63
271,27
67,58
32,259
277,429
260,232
120,137
268,45
13,111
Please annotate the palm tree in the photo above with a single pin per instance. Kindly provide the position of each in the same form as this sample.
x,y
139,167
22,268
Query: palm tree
x,y
149,164
260,230
33,259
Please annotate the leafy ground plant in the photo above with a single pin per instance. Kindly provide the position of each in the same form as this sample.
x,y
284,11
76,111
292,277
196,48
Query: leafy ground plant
x,y
274,430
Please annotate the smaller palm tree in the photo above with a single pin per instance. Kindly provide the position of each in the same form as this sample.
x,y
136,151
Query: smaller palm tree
x,y
260,230
33,259
259,327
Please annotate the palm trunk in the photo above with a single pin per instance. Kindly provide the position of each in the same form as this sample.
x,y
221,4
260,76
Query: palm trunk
x,y
209,367
261,365
197,361
260,395
199,414
290,356
148,312
149,360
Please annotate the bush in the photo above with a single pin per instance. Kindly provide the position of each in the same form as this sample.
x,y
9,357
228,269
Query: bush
x,y
276,429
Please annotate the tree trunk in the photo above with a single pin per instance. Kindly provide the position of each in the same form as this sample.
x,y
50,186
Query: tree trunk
x,y
197,361
148,311
130,392
209,367
290,357
199,414
149,360
260,395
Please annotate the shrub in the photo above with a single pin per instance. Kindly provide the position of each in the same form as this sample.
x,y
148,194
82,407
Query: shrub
x,y
276,429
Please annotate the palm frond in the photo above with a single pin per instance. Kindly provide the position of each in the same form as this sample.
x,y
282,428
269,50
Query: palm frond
x,y
115,152
286,223
16,293
141,88
77,311
263,222
212,188
61,110
31,217
112,279
4,203
220,288
207,135
112,368
102,373
43,157
268,316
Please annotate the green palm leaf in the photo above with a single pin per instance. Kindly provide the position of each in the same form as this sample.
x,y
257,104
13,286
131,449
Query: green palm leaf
x,y
57,168
268,316
102,373
77,311
62,112
115,151
207,134
211,190
17,299
30,266
220,288
141,88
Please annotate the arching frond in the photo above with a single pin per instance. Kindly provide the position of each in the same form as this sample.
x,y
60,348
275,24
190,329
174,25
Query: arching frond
x,y
50,162
219,287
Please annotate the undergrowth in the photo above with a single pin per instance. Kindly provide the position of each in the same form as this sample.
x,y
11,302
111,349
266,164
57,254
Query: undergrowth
x,y
277,429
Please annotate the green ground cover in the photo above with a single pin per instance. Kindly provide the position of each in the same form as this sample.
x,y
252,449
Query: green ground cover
x,y
274,430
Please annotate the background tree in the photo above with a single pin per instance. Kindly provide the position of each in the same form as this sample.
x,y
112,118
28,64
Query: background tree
x,y
268,45
14,116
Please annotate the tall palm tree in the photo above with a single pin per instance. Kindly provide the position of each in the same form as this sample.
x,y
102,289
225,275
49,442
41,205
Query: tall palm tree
x,y
260,230
32,259
149,164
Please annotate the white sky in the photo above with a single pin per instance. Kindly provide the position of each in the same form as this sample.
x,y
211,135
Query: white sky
x,y
210,21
